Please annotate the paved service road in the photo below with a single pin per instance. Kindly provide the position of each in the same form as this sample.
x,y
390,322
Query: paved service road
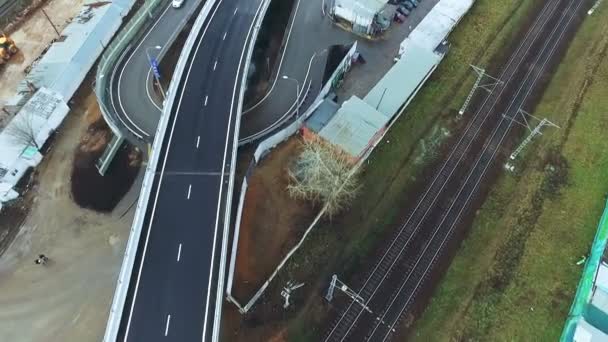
x,y
133,97
176,290
304,56
309,35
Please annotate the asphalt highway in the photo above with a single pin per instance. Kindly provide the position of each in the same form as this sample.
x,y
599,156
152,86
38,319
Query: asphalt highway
x,y
174,293
133,95
405,268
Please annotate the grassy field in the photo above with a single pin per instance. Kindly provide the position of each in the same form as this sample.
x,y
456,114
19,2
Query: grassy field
x,y
515,275
393,168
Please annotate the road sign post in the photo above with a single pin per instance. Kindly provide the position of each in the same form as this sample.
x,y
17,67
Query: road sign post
x,y
154,64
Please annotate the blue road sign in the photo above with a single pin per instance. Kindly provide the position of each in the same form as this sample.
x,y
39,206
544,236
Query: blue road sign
x,y
154,64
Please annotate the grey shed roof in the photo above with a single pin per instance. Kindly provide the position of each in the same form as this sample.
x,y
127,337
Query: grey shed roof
x,y
403,80
321,116
354,126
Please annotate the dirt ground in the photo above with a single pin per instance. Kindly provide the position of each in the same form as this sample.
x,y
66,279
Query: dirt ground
x,y
32,38
68,299
90,189
272,221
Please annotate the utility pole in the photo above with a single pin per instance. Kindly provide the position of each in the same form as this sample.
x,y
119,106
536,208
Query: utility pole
x,y
50,22
533,132
488,86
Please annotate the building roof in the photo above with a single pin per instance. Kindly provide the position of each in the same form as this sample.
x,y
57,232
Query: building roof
x,y
437,24
66,63
402,81
362,7
353,126
321,116
585,332
41,115
360,12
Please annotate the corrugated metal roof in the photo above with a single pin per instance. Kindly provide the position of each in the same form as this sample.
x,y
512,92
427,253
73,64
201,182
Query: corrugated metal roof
x,y
354,126
437,24
401,82
66,63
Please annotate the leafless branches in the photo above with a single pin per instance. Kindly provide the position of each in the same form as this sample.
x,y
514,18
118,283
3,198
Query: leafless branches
x,y
323,174
23,131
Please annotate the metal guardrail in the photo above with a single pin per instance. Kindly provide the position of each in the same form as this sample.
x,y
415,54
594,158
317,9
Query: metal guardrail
x,y
126,270
103,163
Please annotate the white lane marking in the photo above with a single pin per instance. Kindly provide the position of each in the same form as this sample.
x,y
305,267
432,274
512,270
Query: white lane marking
x,y
215,65
198,141
225,33
167,325
179,252
189,190
206,99
120,117
148,85
124,67
219,287
235,10
179,103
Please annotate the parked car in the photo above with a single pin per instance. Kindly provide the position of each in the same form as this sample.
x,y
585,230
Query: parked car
x,y
403,10
177,3
408,5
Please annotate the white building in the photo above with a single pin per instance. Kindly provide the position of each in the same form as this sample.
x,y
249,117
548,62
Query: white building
x,y
437,24
366,17
24,135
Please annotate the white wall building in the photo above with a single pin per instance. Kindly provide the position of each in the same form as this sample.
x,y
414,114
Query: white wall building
x,y
437,24
367,17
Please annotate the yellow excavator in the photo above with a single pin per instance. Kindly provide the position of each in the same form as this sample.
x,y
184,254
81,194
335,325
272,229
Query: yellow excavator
x,y
7,48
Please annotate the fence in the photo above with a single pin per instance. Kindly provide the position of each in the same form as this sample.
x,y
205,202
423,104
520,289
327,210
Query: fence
x,y
262,150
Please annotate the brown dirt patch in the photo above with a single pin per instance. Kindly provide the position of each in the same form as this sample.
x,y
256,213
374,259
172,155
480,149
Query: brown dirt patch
x,y
272,222
90,189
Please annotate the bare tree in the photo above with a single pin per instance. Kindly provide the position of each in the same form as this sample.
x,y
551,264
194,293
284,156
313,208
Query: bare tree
x,y
323,174
23,131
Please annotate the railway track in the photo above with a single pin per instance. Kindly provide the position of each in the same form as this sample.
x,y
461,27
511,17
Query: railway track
x,y
390,288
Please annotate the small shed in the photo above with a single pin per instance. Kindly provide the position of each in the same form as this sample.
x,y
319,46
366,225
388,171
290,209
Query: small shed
x,y
366,17
354,127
